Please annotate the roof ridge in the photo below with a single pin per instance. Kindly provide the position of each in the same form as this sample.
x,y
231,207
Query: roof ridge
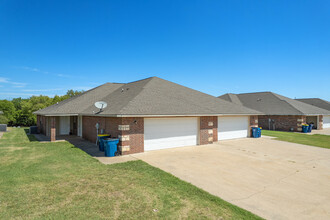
x,y
250,93
278,96
302,103
142,79
192,90
148,80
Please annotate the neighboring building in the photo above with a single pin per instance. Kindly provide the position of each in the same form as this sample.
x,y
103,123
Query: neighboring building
x,y
321,104
147,115
280,112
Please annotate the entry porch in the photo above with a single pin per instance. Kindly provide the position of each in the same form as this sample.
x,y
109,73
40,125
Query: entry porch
x,y
56,126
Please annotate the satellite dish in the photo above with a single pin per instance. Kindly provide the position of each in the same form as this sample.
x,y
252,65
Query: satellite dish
x,y
101,105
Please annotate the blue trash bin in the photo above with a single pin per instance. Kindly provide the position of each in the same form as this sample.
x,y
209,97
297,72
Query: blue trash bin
x,y
305,129
100,139
310,127
259,132
255,132
110,147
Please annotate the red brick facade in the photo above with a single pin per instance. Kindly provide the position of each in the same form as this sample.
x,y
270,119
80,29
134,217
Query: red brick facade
x,y
130,130
131,139
254,122
42,125
282,122
208,132
320,125
48,126
135,134
52,128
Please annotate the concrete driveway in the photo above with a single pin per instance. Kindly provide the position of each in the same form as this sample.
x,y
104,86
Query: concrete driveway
x,y
325,131
273,179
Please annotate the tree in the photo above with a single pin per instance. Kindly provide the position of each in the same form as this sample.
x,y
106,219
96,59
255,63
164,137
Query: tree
x,y
8,109
20,111
3,119
70,93
17,103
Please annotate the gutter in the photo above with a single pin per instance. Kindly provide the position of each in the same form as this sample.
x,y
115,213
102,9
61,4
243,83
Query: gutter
x,y
158,116
57,114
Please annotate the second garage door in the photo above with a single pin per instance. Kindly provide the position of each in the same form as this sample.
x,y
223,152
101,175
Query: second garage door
x,y
326,121
232,127
161,133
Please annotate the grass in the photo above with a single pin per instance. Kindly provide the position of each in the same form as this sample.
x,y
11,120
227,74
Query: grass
x,y
59,181
317,140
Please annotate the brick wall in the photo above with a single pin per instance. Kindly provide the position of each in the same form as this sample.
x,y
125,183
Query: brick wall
x,y
254,122
130,130
208,132
135,144
89,130
282,122
131,136
52,128
41,123
320,125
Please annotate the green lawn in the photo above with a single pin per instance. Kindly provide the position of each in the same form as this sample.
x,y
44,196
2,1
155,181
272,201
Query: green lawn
x,y
317,140
59,181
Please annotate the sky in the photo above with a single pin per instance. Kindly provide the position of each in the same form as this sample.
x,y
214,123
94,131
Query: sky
x,y
217,47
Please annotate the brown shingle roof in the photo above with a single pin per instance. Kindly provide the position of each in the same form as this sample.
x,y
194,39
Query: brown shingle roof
x,y
151,96
321,103
271,103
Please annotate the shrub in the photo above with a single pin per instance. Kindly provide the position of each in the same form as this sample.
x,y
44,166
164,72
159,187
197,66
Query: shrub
x,y
3,119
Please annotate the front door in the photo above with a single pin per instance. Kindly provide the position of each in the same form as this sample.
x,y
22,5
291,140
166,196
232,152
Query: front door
x,y
73,125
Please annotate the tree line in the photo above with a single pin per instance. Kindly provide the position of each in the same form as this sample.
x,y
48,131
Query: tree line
x,y
19,111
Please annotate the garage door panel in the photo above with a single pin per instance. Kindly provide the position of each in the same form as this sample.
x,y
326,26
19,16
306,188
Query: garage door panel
x,y
163,143
161,133
232,127
326,121
165,132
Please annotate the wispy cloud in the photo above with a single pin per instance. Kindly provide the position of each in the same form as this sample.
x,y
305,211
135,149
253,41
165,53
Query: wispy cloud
x,y
14,84
31,69
17,94
37,70
18,85
3,80
64,76
85,88
42,90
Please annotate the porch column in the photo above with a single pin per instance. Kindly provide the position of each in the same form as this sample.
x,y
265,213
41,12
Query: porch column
x,y
52,129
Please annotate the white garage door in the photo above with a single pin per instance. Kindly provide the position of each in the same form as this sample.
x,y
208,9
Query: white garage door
x,y
232,127
64,125
326,121
161,133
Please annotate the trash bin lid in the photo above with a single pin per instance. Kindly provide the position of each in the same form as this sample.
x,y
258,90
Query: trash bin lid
x,y
103,135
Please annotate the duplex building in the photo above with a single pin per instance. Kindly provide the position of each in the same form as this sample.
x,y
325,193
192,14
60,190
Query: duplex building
x,y
279,112
147,115
321,103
